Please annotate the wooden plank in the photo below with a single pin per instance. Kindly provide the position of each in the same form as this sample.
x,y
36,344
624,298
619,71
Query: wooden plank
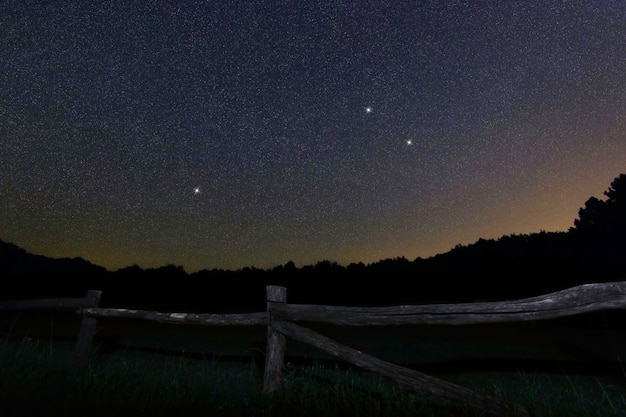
x,y
572,301
415,380
239,319
276,344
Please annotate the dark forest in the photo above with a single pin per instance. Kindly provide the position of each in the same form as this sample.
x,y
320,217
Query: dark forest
x,y
513,266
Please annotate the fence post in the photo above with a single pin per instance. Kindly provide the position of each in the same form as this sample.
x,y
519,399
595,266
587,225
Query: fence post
x,y
86,334
276,343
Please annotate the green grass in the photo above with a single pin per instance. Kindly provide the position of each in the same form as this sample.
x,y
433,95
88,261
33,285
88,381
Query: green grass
x,y
35,379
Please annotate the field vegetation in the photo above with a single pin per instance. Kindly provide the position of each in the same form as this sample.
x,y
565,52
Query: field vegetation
x,y
36,380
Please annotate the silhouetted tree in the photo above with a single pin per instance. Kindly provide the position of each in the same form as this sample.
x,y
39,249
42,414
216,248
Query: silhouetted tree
x,y
600,232
605,217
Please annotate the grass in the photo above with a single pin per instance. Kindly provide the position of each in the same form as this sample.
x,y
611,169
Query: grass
x,y
35,379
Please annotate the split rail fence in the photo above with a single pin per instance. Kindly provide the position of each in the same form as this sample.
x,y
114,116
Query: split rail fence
x,y
281,317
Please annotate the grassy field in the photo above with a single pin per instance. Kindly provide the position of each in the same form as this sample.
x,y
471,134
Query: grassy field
x,y
220,371
36,380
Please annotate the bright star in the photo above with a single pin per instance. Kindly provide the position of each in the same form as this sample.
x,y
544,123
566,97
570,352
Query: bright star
x,y
409,142
368,110
196,190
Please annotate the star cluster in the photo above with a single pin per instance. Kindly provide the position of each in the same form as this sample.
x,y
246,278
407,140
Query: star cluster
x,y
232,134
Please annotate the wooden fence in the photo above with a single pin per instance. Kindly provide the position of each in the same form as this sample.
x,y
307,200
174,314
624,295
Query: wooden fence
x,y
281,317
87,326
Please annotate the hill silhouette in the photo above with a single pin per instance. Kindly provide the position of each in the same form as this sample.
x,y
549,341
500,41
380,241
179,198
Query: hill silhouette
x,y
513,266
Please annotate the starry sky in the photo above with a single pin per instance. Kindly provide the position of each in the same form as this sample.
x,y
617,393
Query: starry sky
x,y
226,134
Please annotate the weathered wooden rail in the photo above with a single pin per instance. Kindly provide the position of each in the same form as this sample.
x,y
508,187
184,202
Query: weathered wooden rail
x,y
281,317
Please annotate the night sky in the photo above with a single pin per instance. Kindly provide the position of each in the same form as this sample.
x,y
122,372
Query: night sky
x,y
221,134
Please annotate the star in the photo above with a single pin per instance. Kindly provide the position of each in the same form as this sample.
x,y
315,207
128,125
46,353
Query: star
x,y
196,190
368,110
409,142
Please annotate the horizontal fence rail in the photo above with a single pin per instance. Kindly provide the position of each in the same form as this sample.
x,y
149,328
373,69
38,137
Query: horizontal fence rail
x,y
572,301
240,319
281,317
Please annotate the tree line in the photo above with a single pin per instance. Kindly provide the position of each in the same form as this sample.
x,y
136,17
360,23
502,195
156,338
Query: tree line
x,y
513,266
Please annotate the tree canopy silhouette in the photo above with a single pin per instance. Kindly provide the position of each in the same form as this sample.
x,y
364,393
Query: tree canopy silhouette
x,y
607,217
514,266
